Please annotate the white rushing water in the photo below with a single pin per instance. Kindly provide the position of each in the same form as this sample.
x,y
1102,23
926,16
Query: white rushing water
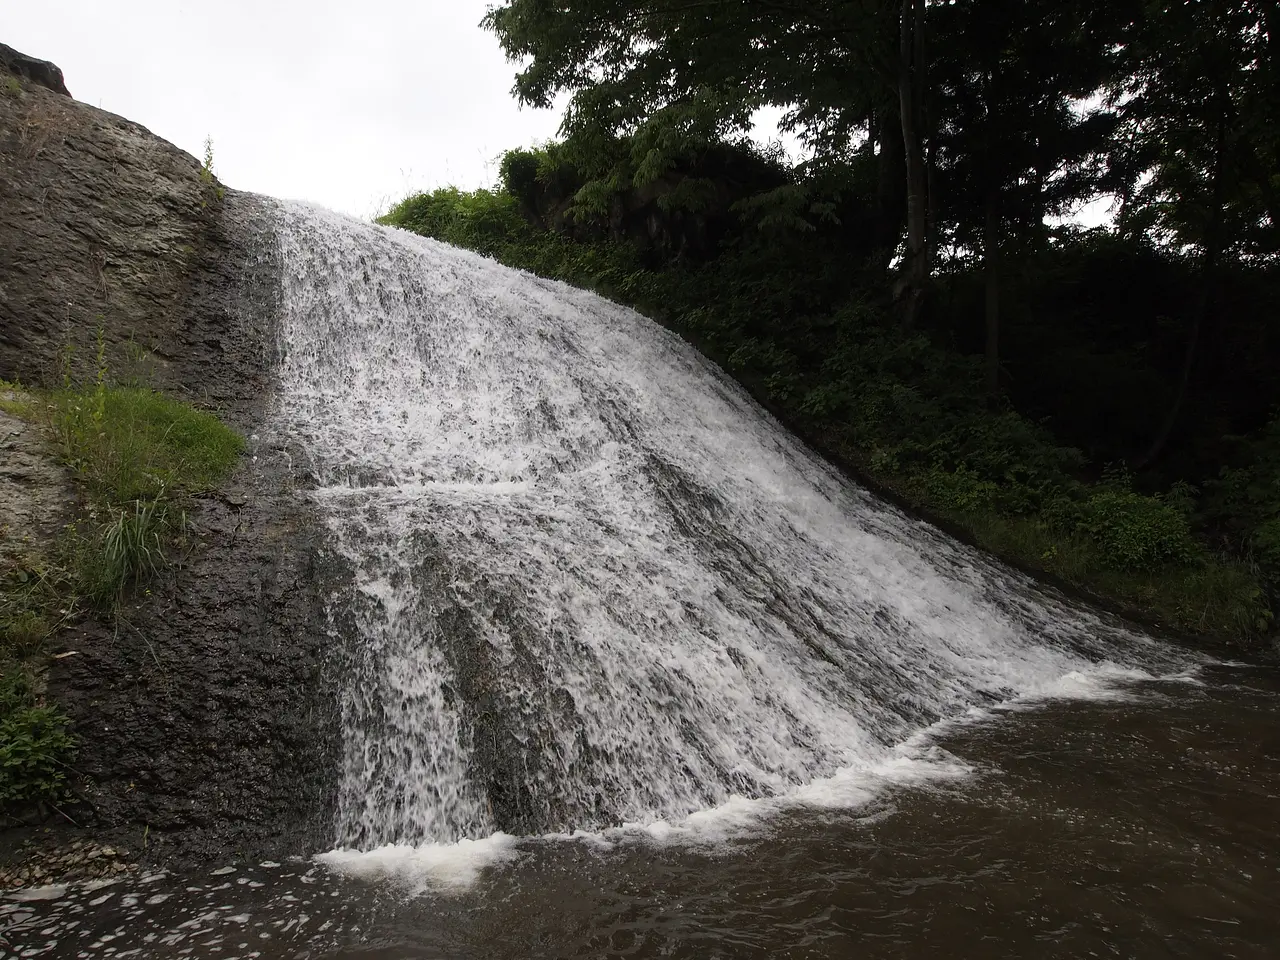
x,y
592,582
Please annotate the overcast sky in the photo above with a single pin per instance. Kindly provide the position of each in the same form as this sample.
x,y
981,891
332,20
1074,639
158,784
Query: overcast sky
x,y
351,105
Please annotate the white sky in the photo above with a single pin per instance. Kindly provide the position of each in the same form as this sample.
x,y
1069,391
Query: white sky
x,y
351,105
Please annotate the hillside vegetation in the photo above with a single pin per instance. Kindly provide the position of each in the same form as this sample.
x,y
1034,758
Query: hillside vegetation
x,y
1095,405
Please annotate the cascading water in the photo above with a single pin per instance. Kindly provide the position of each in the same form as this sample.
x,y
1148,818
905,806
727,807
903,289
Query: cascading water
x,y
594,582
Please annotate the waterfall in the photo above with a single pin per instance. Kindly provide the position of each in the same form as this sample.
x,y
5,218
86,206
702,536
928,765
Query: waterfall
x,y
593,582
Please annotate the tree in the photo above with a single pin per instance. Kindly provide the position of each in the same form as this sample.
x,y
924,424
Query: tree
x,y
1198,103
1017,141
667,74
913,85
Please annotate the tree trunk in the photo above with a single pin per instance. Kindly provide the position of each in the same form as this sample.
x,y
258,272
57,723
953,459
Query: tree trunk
x,y
911,81
991,270
1204,307
891,192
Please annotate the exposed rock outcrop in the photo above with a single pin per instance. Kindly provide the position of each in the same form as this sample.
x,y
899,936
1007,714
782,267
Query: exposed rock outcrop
x,y
43,72
105,225
206,725
35,493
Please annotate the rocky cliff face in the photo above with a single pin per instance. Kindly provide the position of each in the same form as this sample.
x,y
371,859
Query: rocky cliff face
x,y
40,72
103,224
203,712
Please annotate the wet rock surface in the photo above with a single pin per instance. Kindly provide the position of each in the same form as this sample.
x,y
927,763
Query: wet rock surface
x,y
35,492
203,712
77,861
205,718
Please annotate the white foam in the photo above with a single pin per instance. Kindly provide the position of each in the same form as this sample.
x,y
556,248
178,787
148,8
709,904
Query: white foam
x,y
574,540
849,789
918,763
448,867
454,867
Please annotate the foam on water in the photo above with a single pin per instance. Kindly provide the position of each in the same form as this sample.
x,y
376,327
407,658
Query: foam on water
x,y
593,584
917,762
429,866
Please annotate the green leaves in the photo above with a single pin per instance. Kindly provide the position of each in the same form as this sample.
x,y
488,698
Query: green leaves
x,y
1137,532
1199,99
650,84
35,746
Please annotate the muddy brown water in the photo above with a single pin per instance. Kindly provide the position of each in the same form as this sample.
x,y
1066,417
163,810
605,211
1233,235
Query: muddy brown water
x,y
1141,827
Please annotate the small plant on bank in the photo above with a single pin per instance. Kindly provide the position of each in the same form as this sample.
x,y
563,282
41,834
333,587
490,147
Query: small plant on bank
x,y
206,172
35,745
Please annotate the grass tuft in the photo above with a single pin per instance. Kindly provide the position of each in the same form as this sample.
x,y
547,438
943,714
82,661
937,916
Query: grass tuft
x,y
122,552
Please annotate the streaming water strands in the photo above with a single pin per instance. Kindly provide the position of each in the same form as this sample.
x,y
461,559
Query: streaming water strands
x,y
593,582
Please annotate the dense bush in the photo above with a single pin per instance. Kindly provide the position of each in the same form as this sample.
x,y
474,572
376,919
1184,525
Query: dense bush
x,y
485,221
801,326
1137,532
35,745
1245,500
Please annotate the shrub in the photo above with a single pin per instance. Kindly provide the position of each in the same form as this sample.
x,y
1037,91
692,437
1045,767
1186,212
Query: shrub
x,y
519,175
1137,532
1245,500
960,491
35,746
1265,544
485,221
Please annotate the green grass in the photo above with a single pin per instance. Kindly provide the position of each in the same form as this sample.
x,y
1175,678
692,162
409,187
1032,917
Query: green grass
x,y
134,443
138,456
